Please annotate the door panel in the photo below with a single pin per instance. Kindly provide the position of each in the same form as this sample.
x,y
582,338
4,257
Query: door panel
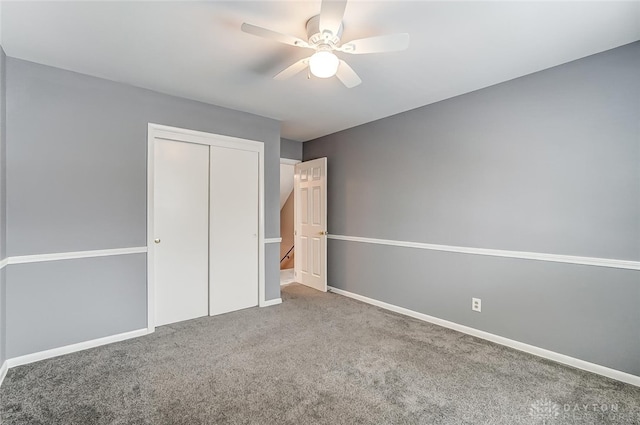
x,y
304,258
233,230
317,262
310,186
181,222
304,200
317,204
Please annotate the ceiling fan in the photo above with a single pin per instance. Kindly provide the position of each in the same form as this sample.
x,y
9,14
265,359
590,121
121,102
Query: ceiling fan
x,y
324,32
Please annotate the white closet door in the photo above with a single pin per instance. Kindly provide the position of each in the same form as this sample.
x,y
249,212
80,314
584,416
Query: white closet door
x,y
181,230
233,230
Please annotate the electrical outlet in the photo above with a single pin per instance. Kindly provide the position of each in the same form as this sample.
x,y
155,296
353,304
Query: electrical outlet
x,y
476,304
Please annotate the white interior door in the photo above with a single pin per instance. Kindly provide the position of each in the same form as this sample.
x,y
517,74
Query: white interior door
x,y
234,222
310,199
181,230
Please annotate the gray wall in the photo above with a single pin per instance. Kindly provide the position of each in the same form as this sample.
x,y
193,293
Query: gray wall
x,y
544,163
77,150
3,315
57,303
3,205
3,157
272,269
290,149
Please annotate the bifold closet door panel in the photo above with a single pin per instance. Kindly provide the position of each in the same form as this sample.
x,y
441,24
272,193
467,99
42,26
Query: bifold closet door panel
x,y
233,228
181,230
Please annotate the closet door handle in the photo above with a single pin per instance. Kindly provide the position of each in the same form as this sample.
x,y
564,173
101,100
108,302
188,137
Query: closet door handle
x,y
157,240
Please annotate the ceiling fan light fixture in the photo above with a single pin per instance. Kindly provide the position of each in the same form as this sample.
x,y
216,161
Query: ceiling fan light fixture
x,y
324,33
324,64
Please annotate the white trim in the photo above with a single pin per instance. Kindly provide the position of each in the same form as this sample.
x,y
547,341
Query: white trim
x,y
192,136
288,161
22,259
269,303
273,240
3,371
55,352
157,131
521,346
151,291
3,263
261,224
556,258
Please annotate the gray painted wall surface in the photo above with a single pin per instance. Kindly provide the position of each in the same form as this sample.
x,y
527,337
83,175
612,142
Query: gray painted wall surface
x,y
3,157
544,163
290,149
582,311
3,315
272,269
57,303
3,203
77,149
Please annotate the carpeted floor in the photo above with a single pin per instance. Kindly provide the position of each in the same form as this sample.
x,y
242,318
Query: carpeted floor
x,y
315,359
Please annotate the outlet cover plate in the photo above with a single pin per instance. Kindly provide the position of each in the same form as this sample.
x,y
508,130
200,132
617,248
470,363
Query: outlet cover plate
x,y
476,304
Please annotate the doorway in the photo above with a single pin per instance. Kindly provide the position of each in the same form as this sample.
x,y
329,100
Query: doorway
x,y
303,223
205,224
287,244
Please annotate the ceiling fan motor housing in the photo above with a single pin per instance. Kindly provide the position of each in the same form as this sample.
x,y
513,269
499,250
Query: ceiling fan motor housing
x,y
316,37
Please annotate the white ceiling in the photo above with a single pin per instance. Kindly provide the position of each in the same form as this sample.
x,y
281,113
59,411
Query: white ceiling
x,y
196,50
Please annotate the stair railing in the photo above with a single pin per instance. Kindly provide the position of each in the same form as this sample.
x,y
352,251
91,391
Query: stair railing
x,y
287,254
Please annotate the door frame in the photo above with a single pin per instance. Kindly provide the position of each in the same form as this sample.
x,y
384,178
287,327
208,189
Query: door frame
x,y
158,131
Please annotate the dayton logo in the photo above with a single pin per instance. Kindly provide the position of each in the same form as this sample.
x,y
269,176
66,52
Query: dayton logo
x,y
544,410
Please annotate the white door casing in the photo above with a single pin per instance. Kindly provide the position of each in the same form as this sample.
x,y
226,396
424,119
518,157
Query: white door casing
x,y
233,230
180,228
310,205
161,132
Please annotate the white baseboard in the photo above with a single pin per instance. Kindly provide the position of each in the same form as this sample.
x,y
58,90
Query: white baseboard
x,y
55,352
3,371
531,349
269,303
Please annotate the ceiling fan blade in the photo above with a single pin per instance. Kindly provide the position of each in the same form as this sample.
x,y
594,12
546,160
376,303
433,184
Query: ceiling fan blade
x,y
331,14
347,75
273,35
379,44
293,69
